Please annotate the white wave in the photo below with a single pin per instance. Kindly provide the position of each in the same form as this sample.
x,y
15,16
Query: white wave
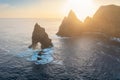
x,y
116,39
59,62
32,55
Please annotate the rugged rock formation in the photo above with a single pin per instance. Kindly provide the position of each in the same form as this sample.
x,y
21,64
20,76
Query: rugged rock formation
x,y
71,26
39,35
106,20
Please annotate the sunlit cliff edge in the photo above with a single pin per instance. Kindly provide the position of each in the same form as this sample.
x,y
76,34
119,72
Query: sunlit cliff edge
x,y
106,21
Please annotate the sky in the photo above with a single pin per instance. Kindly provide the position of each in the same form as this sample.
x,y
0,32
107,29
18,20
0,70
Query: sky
x,y
50,8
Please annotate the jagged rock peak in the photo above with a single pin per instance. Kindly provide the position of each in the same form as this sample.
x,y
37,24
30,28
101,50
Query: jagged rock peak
x,y
72,15
38,28
106,20
72,23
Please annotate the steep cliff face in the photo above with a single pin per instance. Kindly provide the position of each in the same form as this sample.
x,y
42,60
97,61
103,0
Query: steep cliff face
x,y
70,26
110,13
39,35
106,20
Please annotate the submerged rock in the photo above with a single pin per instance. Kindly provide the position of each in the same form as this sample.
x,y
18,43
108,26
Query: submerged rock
x,y
39,35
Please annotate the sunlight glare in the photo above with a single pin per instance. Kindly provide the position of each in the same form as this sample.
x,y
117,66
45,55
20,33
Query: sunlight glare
x,y
82,8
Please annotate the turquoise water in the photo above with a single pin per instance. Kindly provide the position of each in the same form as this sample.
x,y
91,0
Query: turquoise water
x,y
83,58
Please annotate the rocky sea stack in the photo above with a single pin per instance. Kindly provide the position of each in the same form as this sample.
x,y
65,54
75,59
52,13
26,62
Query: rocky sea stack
x,y
39,35
106,20
70,26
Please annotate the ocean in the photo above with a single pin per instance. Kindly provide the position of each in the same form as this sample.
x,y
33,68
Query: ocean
x,y
81,58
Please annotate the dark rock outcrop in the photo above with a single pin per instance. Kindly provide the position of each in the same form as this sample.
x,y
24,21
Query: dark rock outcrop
x,y
71,26
39,35
106,20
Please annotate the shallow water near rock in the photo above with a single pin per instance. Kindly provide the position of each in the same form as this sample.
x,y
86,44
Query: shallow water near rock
x,y
32,55
83,58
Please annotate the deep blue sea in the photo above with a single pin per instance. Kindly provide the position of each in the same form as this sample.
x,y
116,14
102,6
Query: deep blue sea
x,y
82,58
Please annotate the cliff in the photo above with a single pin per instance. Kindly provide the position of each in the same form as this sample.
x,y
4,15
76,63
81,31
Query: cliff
x,y
106,20
70,26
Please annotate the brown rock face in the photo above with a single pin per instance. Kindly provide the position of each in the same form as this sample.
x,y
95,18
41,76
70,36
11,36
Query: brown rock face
x,y
106,20
70,26
39,35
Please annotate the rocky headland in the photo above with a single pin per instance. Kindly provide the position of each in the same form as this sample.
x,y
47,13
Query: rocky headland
x,y
106,21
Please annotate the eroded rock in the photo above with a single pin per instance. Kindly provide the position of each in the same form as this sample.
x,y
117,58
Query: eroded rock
x,y
70,26
40,36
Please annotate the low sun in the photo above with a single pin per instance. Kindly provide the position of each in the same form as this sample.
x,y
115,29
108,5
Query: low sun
x,y
82,8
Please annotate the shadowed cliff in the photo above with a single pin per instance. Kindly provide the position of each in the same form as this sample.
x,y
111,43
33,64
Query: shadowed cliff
x,y
40,36
70,26
106,20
